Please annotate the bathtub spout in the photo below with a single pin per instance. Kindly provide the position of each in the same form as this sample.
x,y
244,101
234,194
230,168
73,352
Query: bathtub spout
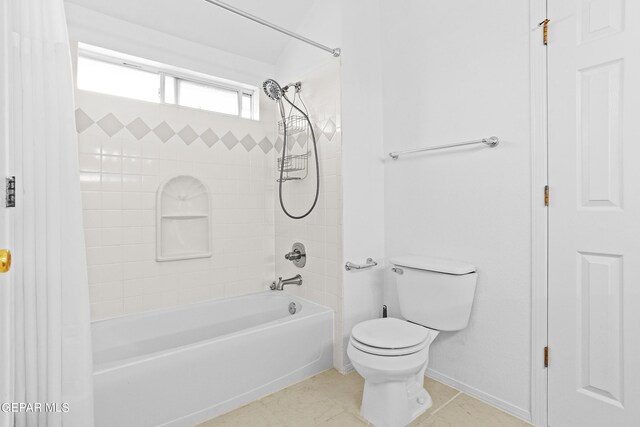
x,y
280,284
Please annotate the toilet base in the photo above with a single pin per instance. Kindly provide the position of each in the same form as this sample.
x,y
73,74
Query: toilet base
x,y
394,403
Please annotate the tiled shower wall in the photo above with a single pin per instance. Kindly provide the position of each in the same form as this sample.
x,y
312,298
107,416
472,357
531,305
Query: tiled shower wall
x,y
127,149
321,231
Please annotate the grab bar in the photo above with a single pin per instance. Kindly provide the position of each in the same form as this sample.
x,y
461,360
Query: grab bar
x,y
351,266
491,142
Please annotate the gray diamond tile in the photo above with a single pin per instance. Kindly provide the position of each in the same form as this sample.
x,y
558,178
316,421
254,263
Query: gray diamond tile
x,y
329,129
229,140
163,131
83,121
248,142
110,124
209,137
278,144
301,139
138,128
265,145
187,134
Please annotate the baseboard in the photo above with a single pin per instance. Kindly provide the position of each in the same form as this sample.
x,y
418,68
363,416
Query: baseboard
x,y
346,368
480,395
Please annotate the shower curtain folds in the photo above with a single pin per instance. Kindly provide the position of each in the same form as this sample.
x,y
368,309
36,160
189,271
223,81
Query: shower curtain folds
x,y
53,363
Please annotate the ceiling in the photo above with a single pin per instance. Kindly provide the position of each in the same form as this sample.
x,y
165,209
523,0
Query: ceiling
x,y
204,23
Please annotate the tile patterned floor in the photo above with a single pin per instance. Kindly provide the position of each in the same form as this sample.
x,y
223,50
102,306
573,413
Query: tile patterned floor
x,y
333,400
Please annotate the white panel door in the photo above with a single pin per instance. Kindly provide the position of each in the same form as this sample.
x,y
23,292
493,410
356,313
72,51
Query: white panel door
x,y
6,316
594,213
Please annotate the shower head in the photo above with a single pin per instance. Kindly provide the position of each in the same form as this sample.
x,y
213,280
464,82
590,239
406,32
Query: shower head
x,y
272,89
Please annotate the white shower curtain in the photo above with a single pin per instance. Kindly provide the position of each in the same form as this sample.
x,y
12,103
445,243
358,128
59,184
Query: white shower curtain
x,y
53,361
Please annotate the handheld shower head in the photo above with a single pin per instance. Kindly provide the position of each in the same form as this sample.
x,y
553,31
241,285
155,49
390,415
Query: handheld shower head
x,y
272,89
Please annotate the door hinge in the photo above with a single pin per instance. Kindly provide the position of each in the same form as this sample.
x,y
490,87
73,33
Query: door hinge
x,y
546,195
10,198
546,357
545,31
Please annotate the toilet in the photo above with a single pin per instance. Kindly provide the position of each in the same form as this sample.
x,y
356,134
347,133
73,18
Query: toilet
x,y
392,354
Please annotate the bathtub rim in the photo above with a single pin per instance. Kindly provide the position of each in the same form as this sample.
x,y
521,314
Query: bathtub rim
x,y
109,367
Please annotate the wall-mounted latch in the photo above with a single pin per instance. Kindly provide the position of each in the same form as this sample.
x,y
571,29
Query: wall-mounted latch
x,y
10,198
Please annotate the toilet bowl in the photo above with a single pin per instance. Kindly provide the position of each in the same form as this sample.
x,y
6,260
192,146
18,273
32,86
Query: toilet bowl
x,y
392,354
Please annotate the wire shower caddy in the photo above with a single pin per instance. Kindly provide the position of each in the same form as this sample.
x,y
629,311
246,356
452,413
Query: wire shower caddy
x,y
294,166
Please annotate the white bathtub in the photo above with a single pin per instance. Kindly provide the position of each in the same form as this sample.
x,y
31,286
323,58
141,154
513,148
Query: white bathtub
x,y
182,366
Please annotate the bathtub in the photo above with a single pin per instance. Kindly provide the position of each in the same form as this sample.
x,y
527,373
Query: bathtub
x,y
179,367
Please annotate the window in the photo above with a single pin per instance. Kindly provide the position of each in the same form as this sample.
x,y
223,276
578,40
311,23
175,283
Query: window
x,y
104,71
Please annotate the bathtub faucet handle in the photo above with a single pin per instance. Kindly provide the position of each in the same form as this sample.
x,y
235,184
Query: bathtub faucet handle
x,y
298,255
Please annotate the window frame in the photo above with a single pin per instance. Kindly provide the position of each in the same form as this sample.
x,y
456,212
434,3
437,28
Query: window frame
x,y
86,51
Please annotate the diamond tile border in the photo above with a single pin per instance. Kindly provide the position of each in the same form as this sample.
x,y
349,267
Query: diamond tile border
x,y
188,135
229,140
209,137
83,121
138,128
111,125
248,143
164,131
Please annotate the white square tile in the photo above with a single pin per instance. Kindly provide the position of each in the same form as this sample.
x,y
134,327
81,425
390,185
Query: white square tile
x,y
111,200
132,201
111,164
111,236
111,219
132,235
132,218
89,162
89,144
90,181
111,182
131,148
92,237
131,165
92,219
112,147
91,200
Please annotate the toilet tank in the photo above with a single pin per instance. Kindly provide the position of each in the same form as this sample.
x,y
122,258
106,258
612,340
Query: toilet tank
x,y
433,292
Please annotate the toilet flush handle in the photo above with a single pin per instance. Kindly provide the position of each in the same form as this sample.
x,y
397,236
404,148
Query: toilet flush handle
x,y
397,270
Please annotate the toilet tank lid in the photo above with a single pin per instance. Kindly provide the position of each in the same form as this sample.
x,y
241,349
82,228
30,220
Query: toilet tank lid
x,y
438,265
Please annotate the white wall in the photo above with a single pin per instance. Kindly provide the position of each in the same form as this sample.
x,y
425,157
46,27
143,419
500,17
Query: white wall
x,y
362,163
456,71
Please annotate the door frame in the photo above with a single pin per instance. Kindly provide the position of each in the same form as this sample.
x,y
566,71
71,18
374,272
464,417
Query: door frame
x,y
7,391
539,214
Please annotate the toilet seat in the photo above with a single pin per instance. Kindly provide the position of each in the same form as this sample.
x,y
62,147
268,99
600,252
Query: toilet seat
x,y
377,351
390,337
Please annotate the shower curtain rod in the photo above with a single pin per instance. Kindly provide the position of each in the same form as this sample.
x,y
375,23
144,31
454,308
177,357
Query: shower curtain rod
x,y
335,52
